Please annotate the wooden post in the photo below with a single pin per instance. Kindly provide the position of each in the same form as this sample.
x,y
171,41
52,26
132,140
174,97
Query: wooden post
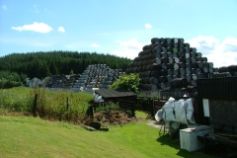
x,y
34,107
67,104
90,112
67,108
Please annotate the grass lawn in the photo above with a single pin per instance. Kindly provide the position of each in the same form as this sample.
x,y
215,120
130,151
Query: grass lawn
x,y
27,137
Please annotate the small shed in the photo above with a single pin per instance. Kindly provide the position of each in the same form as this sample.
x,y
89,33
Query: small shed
x,y
126,100
219,104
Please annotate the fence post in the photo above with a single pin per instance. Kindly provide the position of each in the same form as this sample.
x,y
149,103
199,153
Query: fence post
x,y
67,108
67,104
90,112
34,107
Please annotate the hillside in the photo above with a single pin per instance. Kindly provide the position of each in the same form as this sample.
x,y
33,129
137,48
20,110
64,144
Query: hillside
x,y
41,64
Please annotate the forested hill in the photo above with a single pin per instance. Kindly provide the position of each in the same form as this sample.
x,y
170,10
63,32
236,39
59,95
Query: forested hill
x,y
41,64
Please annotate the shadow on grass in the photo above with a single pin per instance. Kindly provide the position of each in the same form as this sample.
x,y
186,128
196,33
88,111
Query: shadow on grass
x,y
174,143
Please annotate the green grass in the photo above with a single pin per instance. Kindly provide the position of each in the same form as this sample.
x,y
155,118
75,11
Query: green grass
x,y
63,105
141,114
16,99
26,137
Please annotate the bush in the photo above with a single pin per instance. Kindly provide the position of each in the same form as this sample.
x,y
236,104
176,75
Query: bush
x,y
127,82
108,107
10,79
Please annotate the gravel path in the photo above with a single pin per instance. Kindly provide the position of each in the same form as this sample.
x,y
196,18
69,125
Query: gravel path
x,y
153,123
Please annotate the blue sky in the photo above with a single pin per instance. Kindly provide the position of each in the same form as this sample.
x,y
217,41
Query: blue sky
x,y
119,27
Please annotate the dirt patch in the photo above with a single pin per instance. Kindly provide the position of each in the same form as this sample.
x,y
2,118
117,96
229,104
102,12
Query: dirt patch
x,y
113,117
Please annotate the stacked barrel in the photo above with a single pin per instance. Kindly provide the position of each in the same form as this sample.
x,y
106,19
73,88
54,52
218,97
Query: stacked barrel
x,y
97,76
63,81
167,59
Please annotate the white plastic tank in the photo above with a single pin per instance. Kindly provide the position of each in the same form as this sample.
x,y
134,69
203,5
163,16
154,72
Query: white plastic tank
x,y
189,137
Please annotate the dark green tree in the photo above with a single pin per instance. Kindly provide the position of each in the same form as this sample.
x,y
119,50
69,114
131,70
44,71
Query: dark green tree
x,y
42,64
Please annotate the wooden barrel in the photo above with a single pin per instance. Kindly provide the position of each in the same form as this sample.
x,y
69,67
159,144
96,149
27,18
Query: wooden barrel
x,y
199,55
187,55
188,77
176,66
176,72
153,80
211,70
170,72
182,72
147,48
164,66
169,78
155,41
176,59
194,77
193,59
157,61
170,60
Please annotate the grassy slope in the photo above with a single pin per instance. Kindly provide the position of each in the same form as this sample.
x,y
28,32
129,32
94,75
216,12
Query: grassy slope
x,y
32,137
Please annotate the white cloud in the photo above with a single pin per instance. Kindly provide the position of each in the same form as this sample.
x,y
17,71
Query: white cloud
x,y
39,27
95,45
4,7
148,26
220,52
204,44
128,48
61,29
230,44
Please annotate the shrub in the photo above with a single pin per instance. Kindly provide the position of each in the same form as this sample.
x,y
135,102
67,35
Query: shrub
x,y
127,82
10,79
108,107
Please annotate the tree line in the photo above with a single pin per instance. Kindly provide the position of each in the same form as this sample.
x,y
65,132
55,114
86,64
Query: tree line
x,y
42,64
15,68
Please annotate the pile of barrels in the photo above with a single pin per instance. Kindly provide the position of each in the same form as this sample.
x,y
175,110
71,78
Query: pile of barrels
x,y
169,59
63,81
97,76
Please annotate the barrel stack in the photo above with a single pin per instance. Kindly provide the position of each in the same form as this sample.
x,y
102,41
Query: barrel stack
x,y
63,81
97,76
169,59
